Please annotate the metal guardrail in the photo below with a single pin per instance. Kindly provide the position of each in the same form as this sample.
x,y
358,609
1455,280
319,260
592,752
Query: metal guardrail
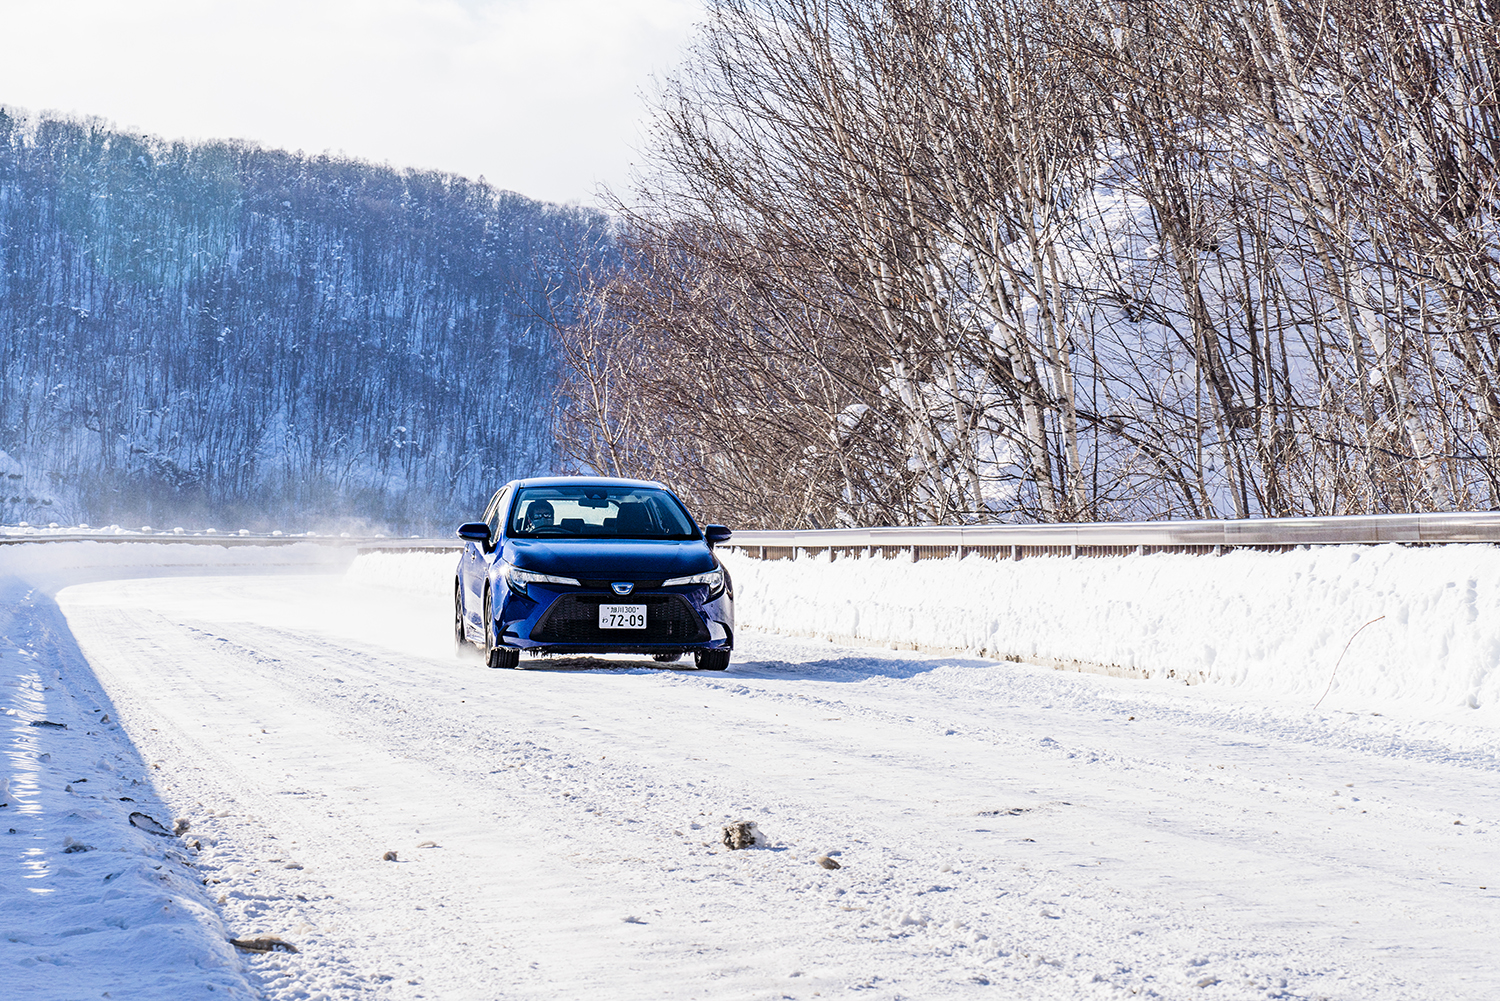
x,y
1076,538
1111,538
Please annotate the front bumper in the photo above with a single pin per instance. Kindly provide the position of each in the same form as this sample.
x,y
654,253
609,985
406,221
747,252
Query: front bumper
x,y
551,619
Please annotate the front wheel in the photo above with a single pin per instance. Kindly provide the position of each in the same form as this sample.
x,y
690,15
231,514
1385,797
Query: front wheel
x,y
495,655
711,660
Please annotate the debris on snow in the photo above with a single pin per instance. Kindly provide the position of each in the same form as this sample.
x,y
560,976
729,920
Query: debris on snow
x,y
388,857
148,825
827,863
743,834
263,943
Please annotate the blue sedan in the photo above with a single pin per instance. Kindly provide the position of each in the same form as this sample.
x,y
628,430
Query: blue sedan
x,y
572,564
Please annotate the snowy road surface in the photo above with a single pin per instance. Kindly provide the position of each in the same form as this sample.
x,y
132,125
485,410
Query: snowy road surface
x,y
1004,831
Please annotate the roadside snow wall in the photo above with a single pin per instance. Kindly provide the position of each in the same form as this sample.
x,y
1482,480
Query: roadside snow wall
x,y
1270,623
1275,623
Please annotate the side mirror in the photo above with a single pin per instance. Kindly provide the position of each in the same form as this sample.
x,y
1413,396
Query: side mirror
x,y
475,531
716,534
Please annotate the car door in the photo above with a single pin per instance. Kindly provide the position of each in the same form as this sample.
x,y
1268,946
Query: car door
x,y
475,562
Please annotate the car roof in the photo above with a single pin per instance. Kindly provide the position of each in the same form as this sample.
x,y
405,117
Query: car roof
x,y
593,481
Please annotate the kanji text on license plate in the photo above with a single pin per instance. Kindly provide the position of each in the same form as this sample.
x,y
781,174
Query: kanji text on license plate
x,y
622,616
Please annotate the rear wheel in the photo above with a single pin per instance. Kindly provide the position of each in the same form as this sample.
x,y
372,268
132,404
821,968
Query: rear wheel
x,y
712,660
461,644
495,655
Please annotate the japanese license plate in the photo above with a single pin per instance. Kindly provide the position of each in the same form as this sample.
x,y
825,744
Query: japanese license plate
x,y
622,616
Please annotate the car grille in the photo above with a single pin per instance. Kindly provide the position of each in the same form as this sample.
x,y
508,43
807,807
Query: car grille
x,y
574,618
603,585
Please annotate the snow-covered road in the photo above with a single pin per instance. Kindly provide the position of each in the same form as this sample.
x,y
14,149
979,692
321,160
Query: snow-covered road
x,y
1004,830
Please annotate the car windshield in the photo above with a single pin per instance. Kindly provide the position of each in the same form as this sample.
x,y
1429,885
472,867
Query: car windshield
x,y
599,512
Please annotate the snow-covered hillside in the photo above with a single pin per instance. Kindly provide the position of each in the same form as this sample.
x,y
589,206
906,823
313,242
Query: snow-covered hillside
x,y
165,357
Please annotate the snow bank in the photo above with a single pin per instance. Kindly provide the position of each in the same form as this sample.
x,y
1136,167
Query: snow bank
x,y
1271,623
1265,623
97,900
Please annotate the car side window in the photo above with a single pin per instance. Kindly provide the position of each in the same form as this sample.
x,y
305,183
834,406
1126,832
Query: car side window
x,y
496,512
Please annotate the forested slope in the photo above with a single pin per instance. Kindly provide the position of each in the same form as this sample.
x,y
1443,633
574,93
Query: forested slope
x,y
214,332
1061,260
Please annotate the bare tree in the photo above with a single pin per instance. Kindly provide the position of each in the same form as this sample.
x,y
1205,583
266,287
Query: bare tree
x,y
1062,259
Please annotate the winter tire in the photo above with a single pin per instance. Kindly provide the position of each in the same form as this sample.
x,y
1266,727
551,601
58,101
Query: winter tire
x,y
496,656
712,660
461,643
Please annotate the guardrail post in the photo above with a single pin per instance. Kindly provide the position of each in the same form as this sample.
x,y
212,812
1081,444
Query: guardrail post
x,y
1015,552
1072,552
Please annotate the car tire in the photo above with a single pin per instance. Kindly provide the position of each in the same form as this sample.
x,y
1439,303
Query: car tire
x,y
712,660
495,655
461,644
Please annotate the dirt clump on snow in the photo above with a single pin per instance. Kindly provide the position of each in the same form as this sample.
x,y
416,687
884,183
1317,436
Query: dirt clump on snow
x,y
742,834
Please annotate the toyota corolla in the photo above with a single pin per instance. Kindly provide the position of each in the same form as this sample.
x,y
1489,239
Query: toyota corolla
x,y
592,565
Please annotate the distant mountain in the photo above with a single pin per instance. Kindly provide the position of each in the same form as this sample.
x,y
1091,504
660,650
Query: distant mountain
x,y
221,334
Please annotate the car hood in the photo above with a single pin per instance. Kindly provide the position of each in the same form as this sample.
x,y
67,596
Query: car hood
x,y
622,558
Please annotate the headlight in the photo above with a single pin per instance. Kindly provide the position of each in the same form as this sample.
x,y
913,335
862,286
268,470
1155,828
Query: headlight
x,y
518,578
713,578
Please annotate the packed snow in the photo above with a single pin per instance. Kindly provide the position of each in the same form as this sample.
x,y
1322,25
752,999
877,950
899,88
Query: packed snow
x,y
1418,623
322,770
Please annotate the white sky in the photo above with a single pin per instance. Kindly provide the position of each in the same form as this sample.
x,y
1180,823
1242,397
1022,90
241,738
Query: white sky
x,y
539,96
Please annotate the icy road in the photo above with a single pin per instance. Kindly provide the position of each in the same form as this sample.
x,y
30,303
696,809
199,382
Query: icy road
x,y
1002,830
